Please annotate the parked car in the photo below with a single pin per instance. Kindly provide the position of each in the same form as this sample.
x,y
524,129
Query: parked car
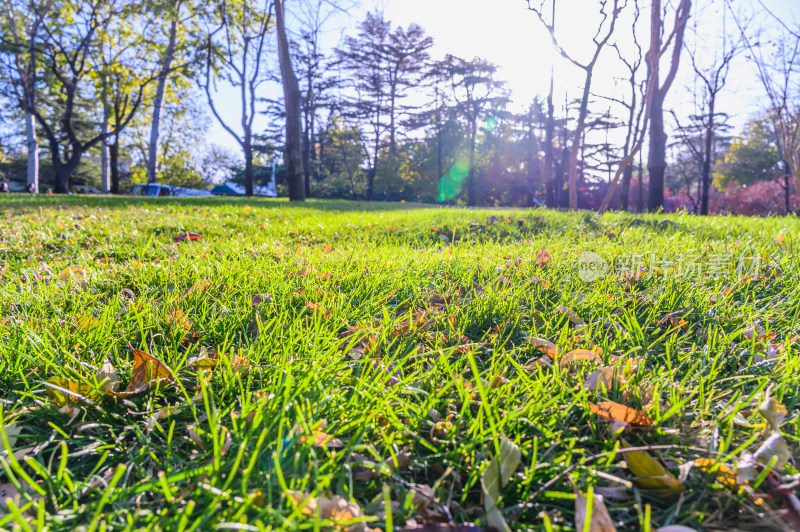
x,y
154,189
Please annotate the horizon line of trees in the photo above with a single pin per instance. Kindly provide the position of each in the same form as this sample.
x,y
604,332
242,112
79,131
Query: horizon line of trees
x,y
376,117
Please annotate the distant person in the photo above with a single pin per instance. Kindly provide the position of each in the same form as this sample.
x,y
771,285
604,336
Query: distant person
x,y
49,191
4,187
30,188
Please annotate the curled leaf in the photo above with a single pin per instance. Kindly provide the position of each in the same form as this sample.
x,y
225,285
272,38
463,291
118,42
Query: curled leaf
x,y
773,412
773,447
319,438
571,315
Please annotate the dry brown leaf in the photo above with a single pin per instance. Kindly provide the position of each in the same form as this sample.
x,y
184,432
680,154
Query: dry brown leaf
x,y
319,438
178,320
87,323
579,355
543,258
147,371
333,509
600,521
571,315
319,308
603,378
548,348
72,273
197,288
615,411
190,237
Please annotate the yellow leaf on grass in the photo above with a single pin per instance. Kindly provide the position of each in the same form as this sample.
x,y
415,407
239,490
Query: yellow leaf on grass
x,y
543,258
147,371
617,412
579,355
650,474
571,315
600,521
333,509
87,323
319,438
65,392
495,476
178,319
548,348
72,273
197,288
604,378
726,475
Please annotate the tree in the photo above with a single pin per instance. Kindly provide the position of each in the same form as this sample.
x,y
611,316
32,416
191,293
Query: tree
x,y
235,55
383,65
712,76
316,85
656,159
604,32
21,23
176,55
291,98
779,77
752,157
68,42
475,91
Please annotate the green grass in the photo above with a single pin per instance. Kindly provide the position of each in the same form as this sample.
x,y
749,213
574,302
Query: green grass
x,y
242,438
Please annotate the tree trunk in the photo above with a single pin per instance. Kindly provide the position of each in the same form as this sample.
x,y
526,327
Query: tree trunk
x,y
577,142
113,152
158,102
549,159
104,155
627,175
708,157
640,202
307,130
248,165
33,151
291,97
656,160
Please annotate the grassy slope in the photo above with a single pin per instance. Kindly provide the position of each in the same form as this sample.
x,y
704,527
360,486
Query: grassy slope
x,y
385,262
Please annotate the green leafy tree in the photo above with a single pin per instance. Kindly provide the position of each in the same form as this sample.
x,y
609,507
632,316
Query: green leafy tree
x,y
754,156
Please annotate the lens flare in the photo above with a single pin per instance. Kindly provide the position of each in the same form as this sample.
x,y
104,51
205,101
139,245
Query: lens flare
x,y
450,183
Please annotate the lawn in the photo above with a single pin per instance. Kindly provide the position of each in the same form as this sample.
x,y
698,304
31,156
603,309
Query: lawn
x,y
253,365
